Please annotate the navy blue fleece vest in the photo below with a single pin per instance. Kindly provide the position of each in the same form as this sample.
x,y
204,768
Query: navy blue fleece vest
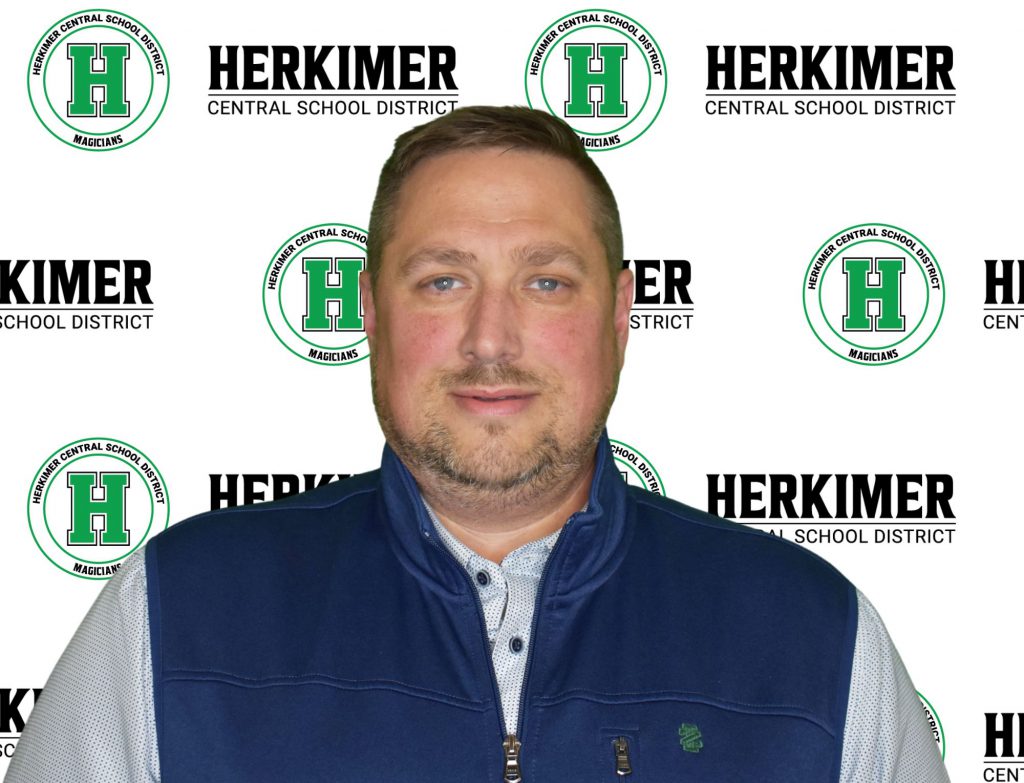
x,y
331,637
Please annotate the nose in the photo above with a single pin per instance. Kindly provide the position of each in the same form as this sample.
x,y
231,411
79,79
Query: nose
x,y
492,330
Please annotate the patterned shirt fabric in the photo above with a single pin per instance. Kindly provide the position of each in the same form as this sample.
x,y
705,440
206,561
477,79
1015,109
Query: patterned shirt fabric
x,y
508,593
94,722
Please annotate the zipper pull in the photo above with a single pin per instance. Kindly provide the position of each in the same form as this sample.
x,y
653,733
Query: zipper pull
x,y
622,765
511,748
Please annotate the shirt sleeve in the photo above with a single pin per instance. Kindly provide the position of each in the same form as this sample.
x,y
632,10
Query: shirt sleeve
x,y
94,721
887,738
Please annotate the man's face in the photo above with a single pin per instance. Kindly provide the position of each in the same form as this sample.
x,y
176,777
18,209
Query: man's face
x,y
496,331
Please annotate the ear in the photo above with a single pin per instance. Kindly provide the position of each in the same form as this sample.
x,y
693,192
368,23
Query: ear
x,y
368,307
623,304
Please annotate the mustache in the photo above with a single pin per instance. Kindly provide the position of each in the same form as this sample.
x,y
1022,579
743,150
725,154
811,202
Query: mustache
x,y
491,375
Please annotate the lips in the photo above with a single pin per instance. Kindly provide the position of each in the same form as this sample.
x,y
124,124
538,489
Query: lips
x,y
493,401
493,394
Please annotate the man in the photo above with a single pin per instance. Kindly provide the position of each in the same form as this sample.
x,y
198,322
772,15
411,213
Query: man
x,y
494,603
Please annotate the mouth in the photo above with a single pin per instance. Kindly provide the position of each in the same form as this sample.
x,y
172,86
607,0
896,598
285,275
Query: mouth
x,y
493,401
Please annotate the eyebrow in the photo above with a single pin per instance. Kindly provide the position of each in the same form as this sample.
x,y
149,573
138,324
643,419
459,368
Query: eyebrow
x,y
546,253
435,255
540,254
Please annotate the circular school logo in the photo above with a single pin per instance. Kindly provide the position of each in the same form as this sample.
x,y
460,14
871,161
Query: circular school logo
x,y
94,502
600,71
873,294
934,724
635,468
311,294
98,79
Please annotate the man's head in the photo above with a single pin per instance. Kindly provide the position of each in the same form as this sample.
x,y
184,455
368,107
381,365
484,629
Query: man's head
x,y
497,318
504,127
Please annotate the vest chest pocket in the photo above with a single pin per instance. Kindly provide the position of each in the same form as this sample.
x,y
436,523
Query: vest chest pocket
x,y
667,739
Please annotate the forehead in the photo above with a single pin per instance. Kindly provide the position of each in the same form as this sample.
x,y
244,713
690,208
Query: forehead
x,y
485,193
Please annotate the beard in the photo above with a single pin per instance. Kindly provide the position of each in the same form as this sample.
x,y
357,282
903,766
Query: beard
x,y
497,471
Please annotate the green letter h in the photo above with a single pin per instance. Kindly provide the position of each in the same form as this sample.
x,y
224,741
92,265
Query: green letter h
x,y
886,293
319,292
84,508
111,79
609,79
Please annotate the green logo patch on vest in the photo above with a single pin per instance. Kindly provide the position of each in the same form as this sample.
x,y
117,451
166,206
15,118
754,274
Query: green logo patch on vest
x,y
690,738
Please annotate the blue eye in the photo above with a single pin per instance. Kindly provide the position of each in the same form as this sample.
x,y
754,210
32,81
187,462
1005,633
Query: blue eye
x,y
443,283
548,284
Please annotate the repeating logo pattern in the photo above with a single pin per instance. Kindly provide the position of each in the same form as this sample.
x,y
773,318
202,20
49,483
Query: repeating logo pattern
x,y
93,502
98,80
600,71
874,294
311,294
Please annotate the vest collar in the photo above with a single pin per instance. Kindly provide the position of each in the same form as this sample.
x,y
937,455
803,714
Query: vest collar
x,y
590,547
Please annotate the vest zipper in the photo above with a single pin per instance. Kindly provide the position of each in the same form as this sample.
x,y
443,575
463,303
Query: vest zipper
x,y
509,743
511,748
622,765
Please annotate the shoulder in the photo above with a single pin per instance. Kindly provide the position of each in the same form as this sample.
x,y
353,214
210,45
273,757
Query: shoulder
x,y
331,506
683,530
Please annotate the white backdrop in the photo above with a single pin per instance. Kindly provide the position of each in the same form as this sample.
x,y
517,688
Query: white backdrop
x,y
747,389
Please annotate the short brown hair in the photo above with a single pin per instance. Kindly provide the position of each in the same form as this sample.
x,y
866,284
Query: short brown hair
x,y
509,127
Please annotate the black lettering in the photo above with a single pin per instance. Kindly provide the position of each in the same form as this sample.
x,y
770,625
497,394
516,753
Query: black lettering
x,y
218,67
748,494
725,495
726,67
223,498
783,494
868,498
10,714
994,281
812,500
137,276
380,72
286,63
940,492
442,63
1003,735
249,492
106,287
677,278
251,68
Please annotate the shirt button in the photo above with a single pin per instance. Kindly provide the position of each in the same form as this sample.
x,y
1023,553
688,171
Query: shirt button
x,y
515,644
483,578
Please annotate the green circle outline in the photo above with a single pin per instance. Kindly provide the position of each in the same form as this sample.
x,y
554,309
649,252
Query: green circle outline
x,y
938,721
664,69
927,299
647,97
167,74
642,456
46,521
280,292
266,314
28,500
808,317
149,98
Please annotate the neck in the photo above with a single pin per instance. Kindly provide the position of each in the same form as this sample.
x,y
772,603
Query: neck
x,y
493,528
